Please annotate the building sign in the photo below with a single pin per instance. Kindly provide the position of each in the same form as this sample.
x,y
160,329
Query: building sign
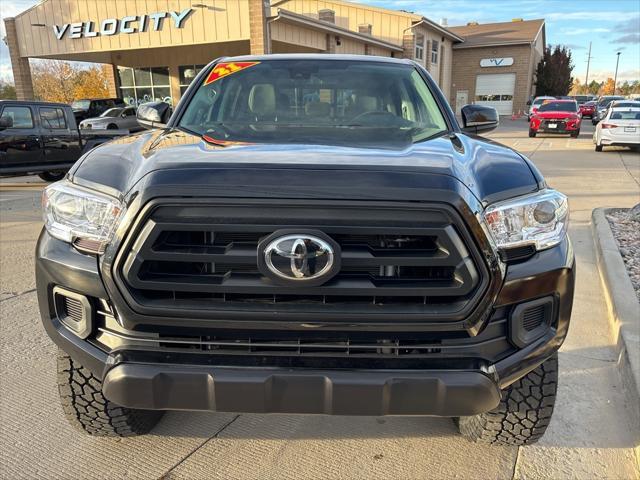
x,y
496,62
113,26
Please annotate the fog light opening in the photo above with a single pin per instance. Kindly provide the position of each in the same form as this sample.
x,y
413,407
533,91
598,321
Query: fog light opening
x,y
530,320
73,311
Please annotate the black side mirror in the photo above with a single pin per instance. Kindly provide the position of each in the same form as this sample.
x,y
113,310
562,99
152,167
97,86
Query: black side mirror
x,y
6,122
478,118
528,103
154,114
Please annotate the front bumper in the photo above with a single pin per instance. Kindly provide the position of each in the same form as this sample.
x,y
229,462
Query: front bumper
x,y
146,379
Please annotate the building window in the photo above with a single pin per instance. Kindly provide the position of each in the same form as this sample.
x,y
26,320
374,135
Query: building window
x,y
434,51
419,47
187,74
52,118
141,85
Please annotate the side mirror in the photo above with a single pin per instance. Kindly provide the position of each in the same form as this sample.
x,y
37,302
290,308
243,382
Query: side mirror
x,y
478,118
6,122
154,114
528,103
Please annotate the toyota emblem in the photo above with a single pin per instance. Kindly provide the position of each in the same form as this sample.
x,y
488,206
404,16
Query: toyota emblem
x,y
309,258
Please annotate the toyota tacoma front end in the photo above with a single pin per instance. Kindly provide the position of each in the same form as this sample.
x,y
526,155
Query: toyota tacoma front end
x,y
308,234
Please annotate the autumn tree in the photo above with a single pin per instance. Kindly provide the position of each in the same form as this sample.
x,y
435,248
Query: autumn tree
x,y
58,81
607,87
553,74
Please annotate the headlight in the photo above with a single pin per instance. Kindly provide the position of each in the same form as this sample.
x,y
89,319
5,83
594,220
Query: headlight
x,y
80,216
539,219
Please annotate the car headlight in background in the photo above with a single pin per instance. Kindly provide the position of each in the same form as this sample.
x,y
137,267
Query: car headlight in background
x,y
80,216
539,219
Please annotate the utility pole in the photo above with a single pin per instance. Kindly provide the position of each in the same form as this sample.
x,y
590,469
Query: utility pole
x,y
586,80
615,78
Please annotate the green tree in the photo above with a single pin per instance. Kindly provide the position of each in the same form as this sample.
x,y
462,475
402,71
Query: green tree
x,y
553,74
7,91
594,87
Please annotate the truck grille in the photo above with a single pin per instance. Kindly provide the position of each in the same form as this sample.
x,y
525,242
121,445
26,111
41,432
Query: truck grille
x,y
396,260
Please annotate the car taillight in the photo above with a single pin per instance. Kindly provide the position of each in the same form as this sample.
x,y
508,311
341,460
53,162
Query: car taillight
x,y
609,125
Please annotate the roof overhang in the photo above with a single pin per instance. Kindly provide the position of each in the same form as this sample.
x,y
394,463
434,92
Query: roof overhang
x,y
440,29
328,27
493,44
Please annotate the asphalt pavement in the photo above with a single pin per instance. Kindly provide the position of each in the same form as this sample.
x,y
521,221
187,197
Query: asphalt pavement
x,y
590,436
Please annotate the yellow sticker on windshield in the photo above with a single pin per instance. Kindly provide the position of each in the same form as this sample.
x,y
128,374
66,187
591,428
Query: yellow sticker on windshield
x,y
227,68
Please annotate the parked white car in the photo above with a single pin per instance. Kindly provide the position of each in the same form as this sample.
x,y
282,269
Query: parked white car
x,y
118,118
535,105
620,126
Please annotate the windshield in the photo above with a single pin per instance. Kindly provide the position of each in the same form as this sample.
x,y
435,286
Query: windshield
x,y
112,112
559,107
81,104
324,102
539,101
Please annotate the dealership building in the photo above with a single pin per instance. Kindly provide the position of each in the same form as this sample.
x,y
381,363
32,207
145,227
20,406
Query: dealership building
x,y
156,47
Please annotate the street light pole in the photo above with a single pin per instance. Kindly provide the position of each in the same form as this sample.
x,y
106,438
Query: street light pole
x,y
615,78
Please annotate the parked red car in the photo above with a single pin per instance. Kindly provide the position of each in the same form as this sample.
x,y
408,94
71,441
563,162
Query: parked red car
x,y
556,116
588,109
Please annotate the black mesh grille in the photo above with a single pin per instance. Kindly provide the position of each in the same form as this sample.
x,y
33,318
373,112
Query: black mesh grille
x,y
533,317
395,260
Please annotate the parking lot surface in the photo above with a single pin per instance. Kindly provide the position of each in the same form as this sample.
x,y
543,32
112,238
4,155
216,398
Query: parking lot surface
x,y
590,436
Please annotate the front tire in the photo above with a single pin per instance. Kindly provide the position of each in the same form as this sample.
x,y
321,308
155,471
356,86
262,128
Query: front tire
x,y
52,176
88,410
532,133
575,134
524,411
112,126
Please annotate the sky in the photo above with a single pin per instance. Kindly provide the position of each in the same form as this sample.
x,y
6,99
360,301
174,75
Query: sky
x,y
611,25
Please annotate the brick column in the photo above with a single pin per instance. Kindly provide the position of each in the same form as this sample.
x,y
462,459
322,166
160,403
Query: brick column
x,y
112,80
259,35
408,46
427,56
19,65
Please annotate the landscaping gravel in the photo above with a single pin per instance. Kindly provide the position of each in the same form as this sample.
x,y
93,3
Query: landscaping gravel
x,y
625,224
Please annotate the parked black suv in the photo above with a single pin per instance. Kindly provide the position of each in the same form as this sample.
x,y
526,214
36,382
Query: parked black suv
x,y
308,234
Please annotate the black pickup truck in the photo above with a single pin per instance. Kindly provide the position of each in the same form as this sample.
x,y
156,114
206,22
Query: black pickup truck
x,y
42,138
308,234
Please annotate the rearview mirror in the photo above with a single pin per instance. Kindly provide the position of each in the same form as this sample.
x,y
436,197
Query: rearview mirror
x,y
6,122
478,118
154,114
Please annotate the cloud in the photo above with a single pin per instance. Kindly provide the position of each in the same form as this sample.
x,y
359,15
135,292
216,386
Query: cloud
x,y
573,46
601,75
628,26
10,8
6,75
628,38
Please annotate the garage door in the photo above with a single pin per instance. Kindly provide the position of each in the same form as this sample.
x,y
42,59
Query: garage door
x,y
496,91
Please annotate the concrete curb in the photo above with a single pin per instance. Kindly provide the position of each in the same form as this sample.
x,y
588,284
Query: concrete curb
x,y
623,306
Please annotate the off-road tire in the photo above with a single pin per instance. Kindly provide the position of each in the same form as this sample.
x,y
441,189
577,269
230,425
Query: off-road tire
x,y
532,132
524,411
88,410
52,176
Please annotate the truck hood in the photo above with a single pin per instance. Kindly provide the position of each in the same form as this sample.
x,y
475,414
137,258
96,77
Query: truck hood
x,y
489,170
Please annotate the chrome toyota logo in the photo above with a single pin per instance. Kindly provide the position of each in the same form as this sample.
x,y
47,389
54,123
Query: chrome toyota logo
x,y
299,258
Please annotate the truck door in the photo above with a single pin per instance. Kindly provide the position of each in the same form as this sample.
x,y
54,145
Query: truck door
x,y
59,136
20,144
